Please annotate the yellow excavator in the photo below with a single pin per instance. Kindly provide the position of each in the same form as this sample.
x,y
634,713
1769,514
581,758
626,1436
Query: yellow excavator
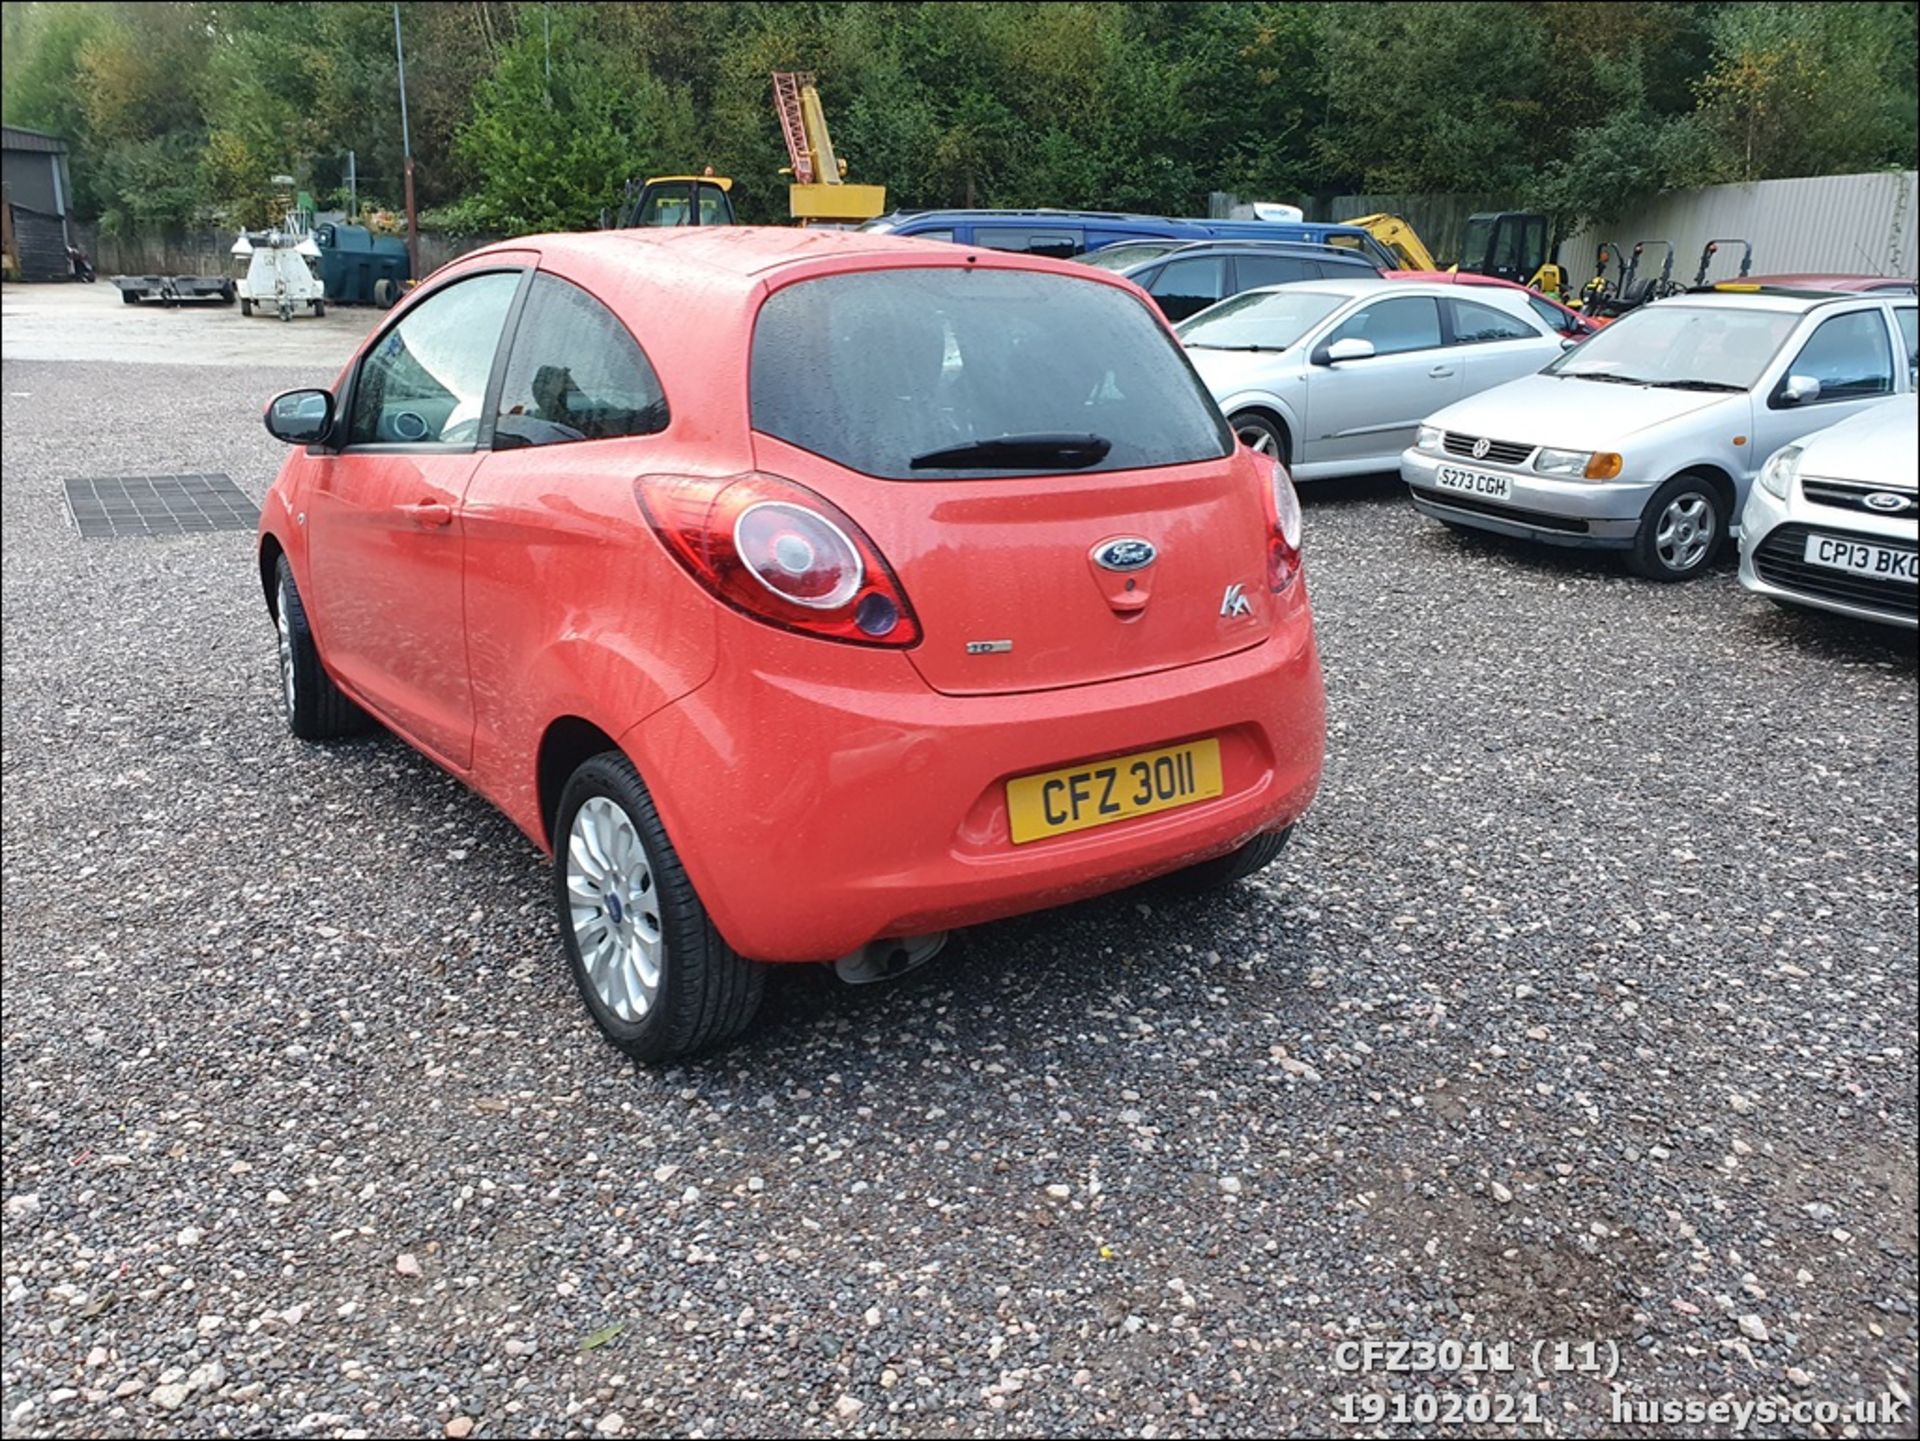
x,y
1510,244
820,194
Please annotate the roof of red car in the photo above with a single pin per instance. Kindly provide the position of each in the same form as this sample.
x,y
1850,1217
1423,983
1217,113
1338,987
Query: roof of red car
x,y
1819,280
747,251
1456,277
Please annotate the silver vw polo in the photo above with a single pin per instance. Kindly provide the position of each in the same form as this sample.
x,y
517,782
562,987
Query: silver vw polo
x,y
1834,521
1646,437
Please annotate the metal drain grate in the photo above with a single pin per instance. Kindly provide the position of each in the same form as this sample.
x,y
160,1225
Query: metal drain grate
x,y
150,505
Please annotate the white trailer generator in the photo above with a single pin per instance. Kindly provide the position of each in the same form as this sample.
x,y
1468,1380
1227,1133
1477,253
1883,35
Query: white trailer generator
x,y
281,270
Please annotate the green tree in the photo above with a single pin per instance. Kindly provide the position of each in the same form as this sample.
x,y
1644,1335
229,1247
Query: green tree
x,y
185,109
1434,96
1806,89
550,148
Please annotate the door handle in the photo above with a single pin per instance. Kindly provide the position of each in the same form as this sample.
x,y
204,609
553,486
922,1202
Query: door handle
x,y
1441,372
429,512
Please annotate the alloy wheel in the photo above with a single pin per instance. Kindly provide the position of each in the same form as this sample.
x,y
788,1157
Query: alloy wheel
x,y
1257,438
1686,531
285,628
613,906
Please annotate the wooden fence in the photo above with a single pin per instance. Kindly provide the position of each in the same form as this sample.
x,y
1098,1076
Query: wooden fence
x,y
208,252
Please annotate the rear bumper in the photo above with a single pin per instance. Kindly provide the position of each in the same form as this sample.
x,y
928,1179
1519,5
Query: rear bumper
x,y
823,800
1598,515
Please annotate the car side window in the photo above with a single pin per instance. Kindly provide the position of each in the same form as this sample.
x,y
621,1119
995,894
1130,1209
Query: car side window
x,y
1061,244
1478,324
1407,322
1253,271
574,373
1909,319
424,382
1555,320
1187,287
1849,356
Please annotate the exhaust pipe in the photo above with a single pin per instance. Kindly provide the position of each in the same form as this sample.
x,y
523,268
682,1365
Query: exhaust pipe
x,y
889,958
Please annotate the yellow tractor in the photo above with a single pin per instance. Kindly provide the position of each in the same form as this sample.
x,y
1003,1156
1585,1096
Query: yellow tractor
x,y
704,199
1510,244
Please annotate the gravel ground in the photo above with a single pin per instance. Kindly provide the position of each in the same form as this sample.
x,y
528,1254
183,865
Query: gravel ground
x,y
1583,1009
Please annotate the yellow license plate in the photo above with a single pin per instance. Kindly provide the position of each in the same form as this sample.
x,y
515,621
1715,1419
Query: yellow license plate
x,y
1053,803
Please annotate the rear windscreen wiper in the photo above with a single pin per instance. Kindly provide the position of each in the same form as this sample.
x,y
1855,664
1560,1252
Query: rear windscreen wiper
x,y
1070,451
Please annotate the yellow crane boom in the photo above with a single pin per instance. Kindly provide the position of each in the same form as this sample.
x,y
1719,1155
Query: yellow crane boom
x,y
820,190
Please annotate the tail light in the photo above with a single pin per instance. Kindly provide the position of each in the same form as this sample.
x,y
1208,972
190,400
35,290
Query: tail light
x,y
776,551
1283,541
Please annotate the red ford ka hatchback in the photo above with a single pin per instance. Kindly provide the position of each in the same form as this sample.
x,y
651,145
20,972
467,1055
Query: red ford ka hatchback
x,y
804,593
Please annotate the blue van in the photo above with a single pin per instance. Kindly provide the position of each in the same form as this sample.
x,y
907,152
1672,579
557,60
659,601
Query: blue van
x,y
1067,233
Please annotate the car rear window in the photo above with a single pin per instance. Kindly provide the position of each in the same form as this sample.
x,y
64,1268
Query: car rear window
x,y
873,368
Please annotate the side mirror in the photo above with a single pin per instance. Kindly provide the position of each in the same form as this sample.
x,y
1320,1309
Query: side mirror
x,y
1799,389
1567,342
1352,348
300,417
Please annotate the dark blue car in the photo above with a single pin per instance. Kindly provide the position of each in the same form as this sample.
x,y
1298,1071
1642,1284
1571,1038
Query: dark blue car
x,y
1067,233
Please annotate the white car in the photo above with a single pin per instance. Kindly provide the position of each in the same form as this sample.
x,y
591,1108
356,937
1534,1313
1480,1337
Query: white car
x,y
1834,522
1646,437
1334,376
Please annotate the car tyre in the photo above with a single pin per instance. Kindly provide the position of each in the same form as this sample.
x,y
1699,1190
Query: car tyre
x,y
319,309
246,306
1260,433
1681,530
655,974
316,708
1223,871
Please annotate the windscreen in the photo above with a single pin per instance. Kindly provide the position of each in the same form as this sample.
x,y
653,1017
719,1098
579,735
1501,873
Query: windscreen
x,y
1260,320
956,367
1669,344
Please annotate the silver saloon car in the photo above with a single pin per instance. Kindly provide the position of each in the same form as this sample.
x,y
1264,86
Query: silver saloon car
x,y
1646,437
1334,376
1834,520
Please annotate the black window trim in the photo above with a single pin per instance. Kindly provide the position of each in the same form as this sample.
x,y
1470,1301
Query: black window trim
x,y
1889,334
497,382
496,373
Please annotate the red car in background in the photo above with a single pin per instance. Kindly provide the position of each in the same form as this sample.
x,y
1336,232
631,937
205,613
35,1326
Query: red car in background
x,y
804,594
1553,314
1814,280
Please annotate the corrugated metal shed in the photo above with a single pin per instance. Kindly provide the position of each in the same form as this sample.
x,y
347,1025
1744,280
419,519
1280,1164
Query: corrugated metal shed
x,y
12,137
1845,224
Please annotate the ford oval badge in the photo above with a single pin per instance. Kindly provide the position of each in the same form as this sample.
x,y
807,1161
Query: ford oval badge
x,y
1887,502
1127,553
